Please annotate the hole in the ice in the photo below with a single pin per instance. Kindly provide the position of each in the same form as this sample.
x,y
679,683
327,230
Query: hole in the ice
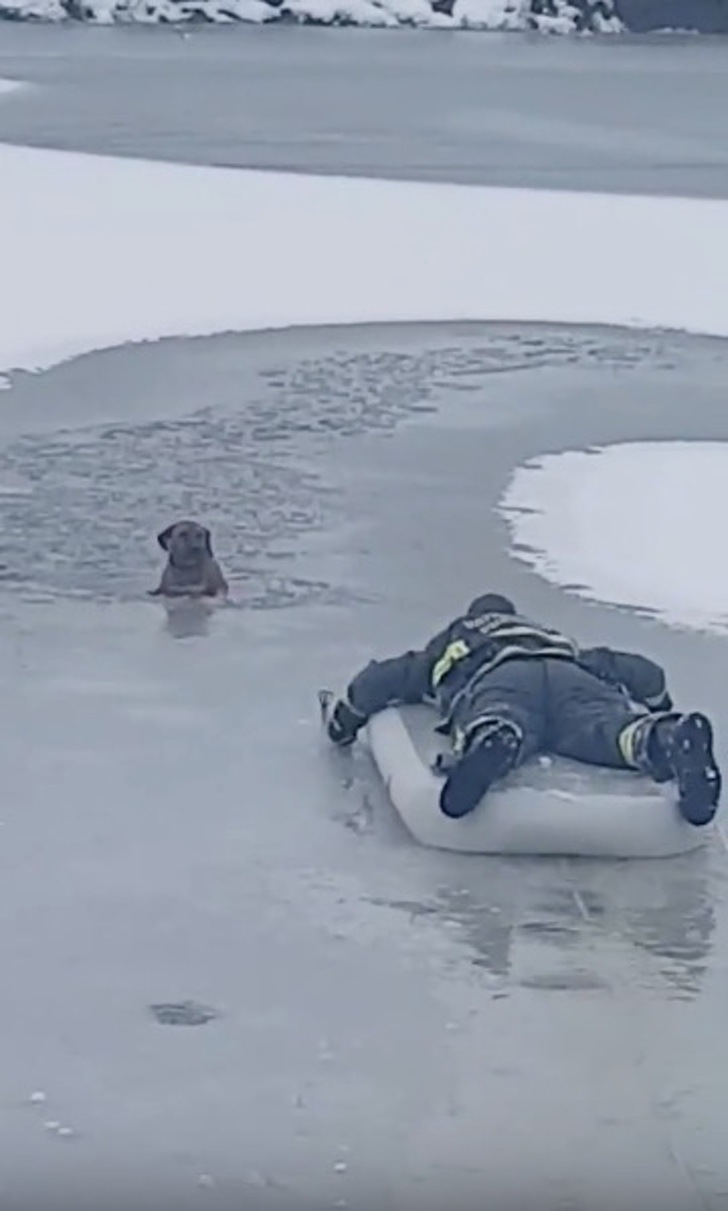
x,y
183,1013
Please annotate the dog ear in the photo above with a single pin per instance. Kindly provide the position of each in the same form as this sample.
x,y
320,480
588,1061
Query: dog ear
x,y
164,537
208,541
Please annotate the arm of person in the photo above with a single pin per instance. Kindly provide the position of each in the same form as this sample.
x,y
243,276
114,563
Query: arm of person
x,y
642,678
397,681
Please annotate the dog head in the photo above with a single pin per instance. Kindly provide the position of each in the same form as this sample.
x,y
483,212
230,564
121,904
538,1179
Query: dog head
x,y
187,543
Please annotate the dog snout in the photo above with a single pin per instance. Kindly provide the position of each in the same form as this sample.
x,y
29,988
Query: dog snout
x,y
196,538
188,538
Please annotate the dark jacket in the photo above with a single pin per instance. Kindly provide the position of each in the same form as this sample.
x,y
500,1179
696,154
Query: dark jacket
x,y
472,646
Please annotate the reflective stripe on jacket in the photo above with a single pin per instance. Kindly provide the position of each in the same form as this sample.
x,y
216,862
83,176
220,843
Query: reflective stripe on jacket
x,y
498,637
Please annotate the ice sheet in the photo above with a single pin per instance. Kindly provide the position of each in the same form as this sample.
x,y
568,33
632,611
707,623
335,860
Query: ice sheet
x,y
130,250
640,524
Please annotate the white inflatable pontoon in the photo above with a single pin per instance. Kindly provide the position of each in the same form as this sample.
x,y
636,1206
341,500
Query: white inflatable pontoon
x,y
551,806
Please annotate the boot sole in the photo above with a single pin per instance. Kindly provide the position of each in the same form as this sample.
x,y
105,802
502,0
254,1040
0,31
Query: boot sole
x,y
696,772
474,773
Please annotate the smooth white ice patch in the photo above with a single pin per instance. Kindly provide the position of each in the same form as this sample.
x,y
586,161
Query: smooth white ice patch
x,y
639,524
97,251
9,86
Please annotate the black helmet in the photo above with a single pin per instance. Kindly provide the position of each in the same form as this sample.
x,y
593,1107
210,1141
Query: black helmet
x,y
490,603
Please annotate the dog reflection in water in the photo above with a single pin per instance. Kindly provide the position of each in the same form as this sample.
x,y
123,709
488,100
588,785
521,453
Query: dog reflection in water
x,y
187,617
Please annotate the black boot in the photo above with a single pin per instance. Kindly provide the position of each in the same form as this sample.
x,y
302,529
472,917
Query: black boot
x,y
683,747
690,752
490,754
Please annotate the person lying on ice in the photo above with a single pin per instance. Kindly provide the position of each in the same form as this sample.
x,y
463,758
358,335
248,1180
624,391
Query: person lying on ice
x,y
508,688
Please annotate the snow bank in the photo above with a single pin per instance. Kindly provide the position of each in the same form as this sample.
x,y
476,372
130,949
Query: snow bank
x,y
96,251
546,16
592,527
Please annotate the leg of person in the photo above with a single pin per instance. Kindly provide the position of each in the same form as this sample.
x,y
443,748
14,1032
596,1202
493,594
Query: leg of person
x,y
593,722
496,725
681,747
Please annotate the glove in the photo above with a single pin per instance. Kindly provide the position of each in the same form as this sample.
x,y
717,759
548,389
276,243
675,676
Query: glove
x,y
444,764
343,724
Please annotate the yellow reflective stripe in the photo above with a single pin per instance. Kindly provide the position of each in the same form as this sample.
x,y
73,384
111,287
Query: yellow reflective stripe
x,y
626,741
458,741
453,652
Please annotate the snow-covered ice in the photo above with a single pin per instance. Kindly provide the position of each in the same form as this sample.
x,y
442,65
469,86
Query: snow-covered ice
x,y
640,524
96,251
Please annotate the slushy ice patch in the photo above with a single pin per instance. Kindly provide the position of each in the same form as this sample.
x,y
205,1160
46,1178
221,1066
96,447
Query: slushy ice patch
x,y
251,465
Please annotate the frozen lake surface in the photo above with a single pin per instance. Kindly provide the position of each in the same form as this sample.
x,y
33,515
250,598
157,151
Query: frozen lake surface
x,y
378,1023
177,831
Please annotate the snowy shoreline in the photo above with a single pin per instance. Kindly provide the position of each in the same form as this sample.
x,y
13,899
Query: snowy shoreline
x,y
547,17
556,17
540,16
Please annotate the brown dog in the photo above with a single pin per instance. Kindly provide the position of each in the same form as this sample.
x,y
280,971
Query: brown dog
x,y
192,570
